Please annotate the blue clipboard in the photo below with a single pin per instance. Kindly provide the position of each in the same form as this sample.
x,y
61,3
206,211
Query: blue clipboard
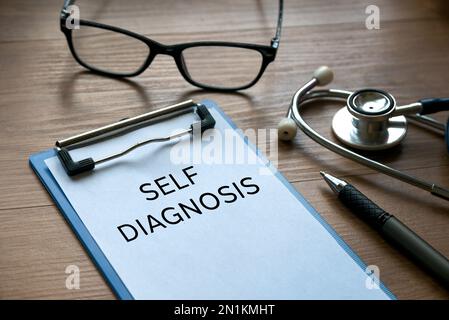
x,y
37,163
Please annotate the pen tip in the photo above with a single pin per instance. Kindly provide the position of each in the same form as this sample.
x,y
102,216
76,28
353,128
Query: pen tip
x,y
334,183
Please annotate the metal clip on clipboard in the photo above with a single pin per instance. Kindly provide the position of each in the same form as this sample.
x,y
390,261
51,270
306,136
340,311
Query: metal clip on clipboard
x,y
76,167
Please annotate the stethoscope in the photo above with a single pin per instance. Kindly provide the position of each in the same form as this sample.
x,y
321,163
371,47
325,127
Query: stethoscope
x,y
371,120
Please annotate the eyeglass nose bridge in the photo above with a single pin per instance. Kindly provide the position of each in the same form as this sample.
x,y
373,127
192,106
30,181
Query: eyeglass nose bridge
x,y
168,50
173,51
156,49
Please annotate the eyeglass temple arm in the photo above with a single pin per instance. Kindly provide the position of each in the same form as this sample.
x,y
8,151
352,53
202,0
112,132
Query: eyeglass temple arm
x,y
277,36
274,41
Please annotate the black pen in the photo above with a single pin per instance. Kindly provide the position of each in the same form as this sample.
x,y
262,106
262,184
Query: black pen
x,y
391,228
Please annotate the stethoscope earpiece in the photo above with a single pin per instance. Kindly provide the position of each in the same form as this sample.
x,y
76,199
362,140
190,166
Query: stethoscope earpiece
x,y
323,75
287,129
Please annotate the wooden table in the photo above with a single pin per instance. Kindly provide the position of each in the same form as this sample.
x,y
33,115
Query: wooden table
x,y
45,96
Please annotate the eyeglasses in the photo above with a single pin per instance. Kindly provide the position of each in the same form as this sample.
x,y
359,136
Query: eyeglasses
x,y
213,65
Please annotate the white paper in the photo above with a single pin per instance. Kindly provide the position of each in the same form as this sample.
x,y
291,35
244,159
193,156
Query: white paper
x,y
264,246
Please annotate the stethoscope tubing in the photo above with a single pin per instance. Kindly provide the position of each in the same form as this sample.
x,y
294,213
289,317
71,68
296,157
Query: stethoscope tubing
x,y
304,96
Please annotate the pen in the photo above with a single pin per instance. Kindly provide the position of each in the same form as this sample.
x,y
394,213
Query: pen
x,y
390,228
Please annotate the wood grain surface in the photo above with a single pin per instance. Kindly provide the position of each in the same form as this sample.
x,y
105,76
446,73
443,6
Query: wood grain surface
x,y
45,95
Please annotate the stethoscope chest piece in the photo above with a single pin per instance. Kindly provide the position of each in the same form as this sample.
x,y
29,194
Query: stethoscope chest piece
x,y
367,122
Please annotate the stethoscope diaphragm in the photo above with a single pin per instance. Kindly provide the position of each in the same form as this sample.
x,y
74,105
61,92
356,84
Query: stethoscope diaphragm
x,y
366,122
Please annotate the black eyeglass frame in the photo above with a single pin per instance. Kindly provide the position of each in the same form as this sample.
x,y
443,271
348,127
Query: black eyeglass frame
x,y
268,52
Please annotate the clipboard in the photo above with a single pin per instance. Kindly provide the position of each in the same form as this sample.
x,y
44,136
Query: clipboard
x,y
37,162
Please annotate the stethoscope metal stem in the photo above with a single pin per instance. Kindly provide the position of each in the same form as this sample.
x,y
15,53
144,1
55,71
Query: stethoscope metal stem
x,y
304,95
428,121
